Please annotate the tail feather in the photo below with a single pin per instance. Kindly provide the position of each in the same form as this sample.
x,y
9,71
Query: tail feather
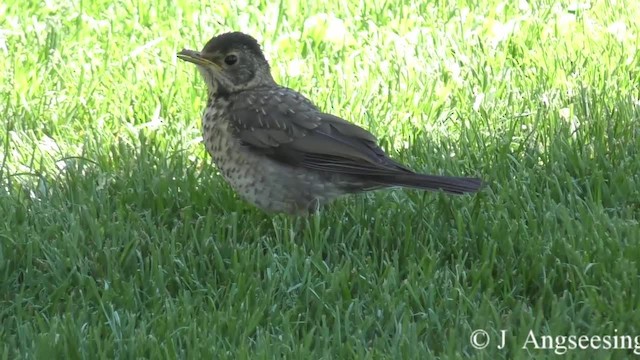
x,y
450,184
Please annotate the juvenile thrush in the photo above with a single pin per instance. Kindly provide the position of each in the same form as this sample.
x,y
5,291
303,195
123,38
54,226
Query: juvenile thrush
x,y
277,150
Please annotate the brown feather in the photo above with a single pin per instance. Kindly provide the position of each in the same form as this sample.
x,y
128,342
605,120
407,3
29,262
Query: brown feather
x,y
293,131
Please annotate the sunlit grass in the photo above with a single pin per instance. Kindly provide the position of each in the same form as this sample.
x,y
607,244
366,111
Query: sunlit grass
x,y
120,240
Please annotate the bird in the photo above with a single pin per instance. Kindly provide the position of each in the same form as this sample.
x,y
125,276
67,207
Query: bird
x,y
280,152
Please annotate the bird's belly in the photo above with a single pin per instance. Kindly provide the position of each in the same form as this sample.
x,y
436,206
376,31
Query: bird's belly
x,y
270,185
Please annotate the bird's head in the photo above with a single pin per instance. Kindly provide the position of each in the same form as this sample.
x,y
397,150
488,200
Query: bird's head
x,y
230,62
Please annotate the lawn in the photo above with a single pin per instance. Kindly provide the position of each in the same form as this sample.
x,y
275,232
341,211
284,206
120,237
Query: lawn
x,y
119,238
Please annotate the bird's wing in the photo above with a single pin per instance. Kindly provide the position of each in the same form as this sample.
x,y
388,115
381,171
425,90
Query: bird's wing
x,y
285,126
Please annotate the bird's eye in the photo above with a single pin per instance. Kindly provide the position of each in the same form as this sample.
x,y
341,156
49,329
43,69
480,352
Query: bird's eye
x,y
230,59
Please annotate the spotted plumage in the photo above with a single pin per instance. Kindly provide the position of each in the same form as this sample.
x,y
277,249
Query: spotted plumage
x,y
280,152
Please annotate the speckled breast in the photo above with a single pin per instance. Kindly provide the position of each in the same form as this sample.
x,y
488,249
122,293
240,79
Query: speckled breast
x,y
268,184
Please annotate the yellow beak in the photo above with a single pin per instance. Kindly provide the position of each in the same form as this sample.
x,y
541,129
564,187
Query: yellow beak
x,y
195,57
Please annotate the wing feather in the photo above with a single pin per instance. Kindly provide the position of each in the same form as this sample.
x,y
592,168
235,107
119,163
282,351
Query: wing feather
x,y
285,126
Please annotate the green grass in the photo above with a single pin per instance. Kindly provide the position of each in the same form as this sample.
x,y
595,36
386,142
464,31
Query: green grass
x,y
119,238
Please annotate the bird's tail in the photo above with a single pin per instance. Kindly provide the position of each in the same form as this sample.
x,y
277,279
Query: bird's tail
x,y
453,185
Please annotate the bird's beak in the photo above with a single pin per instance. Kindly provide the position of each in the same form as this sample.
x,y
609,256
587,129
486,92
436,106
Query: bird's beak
x,y
196,57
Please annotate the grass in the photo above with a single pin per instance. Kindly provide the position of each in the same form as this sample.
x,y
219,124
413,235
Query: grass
x,y
120,239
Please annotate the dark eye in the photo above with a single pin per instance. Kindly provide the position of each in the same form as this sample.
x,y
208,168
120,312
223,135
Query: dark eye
x,y
230,59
